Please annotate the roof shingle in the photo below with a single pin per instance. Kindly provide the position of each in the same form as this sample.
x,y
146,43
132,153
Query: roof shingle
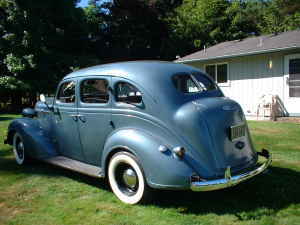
x,y
247,46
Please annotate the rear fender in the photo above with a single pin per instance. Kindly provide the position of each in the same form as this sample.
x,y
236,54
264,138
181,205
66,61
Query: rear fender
x,y
36,140
162,170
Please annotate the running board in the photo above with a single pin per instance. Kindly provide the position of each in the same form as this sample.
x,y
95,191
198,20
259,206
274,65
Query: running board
x,y
75,165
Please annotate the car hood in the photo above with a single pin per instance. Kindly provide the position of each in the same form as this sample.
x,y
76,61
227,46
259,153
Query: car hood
x,y
205,126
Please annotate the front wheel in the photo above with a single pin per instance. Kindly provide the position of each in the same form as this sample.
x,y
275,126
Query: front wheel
x,y
19,149
126,179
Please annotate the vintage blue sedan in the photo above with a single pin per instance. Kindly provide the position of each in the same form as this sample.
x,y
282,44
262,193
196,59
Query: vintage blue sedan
x,y
143,125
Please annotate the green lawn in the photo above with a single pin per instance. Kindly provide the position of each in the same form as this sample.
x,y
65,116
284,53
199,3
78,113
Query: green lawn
x,y
42,194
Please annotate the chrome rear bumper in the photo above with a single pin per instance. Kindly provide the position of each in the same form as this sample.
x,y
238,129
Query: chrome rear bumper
x,y
229,180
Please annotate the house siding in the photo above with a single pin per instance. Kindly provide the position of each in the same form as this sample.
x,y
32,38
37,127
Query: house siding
x,y
250,78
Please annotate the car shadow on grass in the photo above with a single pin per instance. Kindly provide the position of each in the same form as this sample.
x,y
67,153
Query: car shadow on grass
x,y
5,118
8,166
262,196
4,153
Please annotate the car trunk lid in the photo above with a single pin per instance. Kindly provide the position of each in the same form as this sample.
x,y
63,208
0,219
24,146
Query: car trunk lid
x,y
217,129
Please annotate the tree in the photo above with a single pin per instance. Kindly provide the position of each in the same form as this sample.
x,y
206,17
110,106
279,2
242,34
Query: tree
x,y
280,16
41,41
130,29
199,23
244,18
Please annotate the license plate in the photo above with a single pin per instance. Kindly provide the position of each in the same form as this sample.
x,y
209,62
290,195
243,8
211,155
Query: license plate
x,y
237,131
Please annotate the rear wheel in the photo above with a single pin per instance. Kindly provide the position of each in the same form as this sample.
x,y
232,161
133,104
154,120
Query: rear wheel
x,y
127,180
19,149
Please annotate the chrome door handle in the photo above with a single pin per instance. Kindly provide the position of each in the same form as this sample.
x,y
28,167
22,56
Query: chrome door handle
x,y
74,117
82,118
78,116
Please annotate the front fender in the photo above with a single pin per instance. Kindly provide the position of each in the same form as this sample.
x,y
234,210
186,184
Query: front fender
x,y
37,142
162,170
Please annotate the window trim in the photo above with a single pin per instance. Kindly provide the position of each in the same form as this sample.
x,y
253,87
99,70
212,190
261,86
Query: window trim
x,y
192,76
58,102
287,59
124,104
227,84
93,104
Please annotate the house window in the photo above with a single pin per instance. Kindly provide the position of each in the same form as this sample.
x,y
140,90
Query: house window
x,y
218,72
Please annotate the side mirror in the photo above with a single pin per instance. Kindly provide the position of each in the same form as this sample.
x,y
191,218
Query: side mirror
x,y
28,112
42,98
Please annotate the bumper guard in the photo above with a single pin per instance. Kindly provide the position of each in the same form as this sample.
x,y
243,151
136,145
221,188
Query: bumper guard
x,y
229,180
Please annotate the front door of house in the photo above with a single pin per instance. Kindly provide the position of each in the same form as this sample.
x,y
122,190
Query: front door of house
x,y
292,84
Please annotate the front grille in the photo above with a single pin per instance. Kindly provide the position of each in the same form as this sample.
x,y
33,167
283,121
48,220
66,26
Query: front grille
x,y
237,131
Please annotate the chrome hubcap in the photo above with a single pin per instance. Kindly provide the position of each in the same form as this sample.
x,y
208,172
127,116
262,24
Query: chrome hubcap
x,y
130,178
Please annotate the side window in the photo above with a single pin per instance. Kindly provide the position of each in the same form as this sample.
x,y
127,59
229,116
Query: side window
x,y
185,84
127,93
66,92
193,83
94,91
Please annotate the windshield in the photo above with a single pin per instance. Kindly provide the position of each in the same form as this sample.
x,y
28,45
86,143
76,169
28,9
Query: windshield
x,y
193,83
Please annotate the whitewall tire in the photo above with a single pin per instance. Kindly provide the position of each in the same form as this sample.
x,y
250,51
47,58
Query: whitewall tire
x,y
19,149
126,178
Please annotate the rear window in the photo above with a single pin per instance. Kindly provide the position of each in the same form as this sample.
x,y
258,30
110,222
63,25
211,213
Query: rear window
x,y
193,83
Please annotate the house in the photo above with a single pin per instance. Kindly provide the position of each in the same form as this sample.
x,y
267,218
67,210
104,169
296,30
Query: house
x,y
251,69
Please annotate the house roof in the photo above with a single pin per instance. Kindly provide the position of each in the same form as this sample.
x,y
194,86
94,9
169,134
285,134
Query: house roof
x,y
248,46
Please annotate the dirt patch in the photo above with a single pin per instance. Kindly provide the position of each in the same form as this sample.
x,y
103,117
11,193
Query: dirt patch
x,y
266,131
110,208
289,119
7,211
288,147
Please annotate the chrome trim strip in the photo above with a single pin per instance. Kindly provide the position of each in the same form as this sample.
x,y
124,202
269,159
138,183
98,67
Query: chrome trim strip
x,y
229,180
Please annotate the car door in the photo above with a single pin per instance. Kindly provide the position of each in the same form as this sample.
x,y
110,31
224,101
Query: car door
x,y
94,116
65,113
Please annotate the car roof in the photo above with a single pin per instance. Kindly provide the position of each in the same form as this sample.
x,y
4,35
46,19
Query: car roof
x,y
133,70
151,77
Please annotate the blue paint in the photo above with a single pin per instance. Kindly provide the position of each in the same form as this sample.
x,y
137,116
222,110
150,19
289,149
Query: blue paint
x,y
199,122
